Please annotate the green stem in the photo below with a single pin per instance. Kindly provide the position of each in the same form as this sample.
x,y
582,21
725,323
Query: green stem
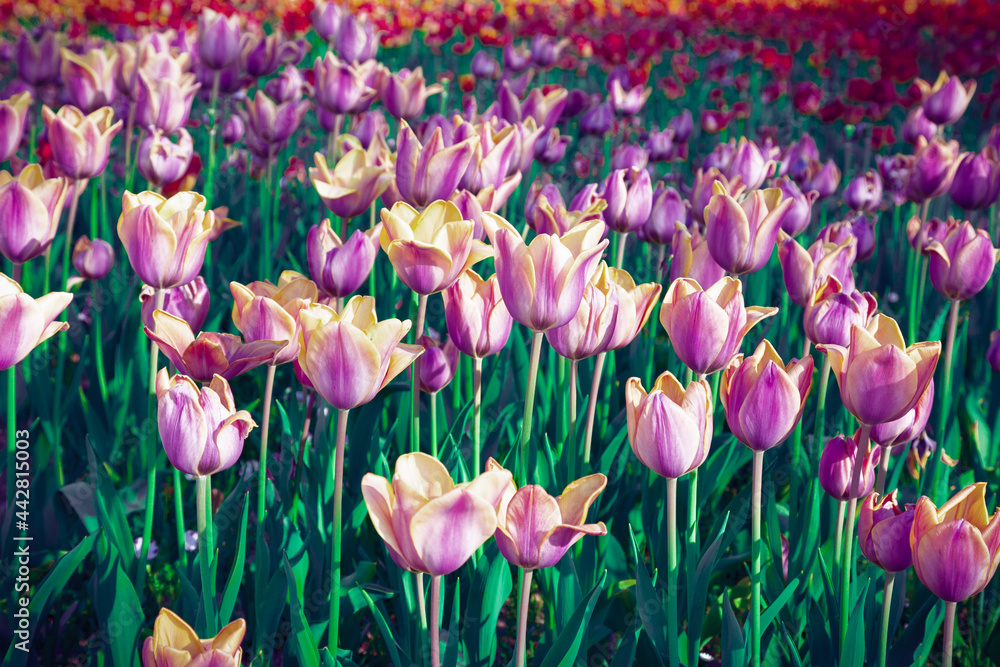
x,y
529,405
265,227
944,407
98,334
883,470
264,428
673,650
11,432
371,274
477,414
204,503
179,518
820,427
434,429
883,644
147,521
129,131
838,535
755,629
335,536
415,409
949,633
574,367
620,256
847,569
210,172
595,385
435,621
522,618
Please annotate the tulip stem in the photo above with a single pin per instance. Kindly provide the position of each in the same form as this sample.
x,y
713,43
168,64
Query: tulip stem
x,y
98,335
415,411
371,273
522,618
949,633
477,413
204,504
944,407
838,535
883,470
595,385
755,629
820,427
574,368
213,103
179,518
420,601
620,256
434,424
262,470
11,433
883,645
672,647
129,130
335,535
529,404
435,621
847,565
147,521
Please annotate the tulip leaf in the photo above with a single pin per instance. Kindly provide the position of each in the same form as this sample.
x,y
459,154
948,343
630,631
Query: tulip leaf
x,y
454,631
699,591
237,571
734,650
270,608
820,644
564,651
625,652
768,615
399,658
654,619
491,587
915,635
305,645
119,612
110,512
852,653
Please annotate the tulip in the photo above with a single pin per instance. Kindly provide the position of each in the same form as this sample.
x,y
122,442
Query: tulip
x,y
263,311
174,643
326,19
859,227
37,61
993,352
836,468
823,178
961,264
670,428
188,302
877,357
93,259
704,188
429,523
263,55
484,66
916,125
269,125
706,327
741,233
806,98
932,169
864,192
629,156
546,50
438,364
542,283
428,172
748,163
431,249
353,185
210,353
201,430
349,357
691,258
89,78
30,207
884,532
478,321
597,120
660,145
799,212
289,86
516,59
405,94
338,267
763,398
27,322
628,102
367,125
161,161
946,101
165,239
908,427
956,548
667,211
613,312
920,233
805,270
357,40
13,112
218,39
233,130
80,143
628,206
551,147
341,87
977,180
832,311
535,530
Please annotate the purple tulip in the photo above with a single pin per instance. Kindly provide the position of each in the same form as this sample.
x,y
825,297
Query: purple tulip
x,y
233,130
288,86
188,302
551,147
805,270
884,532
821,177
357,40
895,173
795,159
977,180
836,466
832,312
341,87
577,101
269,125
89,78
691,258
660,146
340,267
932,169
905,429
161,161
326,18
37,61
960,265
748,163
916,125
864,192
405,94
428,172
93,259
265,54
629,156
682,125
438,364
366,125
546,50
799,214
993,353
516,59
628,102
13,114
485,66
947,100
628,205
218,39
598,120
668,210
741,233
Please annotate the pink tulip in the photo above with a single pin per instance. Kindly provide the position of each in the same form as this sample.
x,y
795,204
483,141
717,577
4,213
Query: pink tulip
x,y
741,233
429,523
218,39
161,161
340,267
961,264
263,311
89,78
806,270
884,532
30,207
908,427
188,302
353,185
93,259
405,94
836,468
691,258
80,143
27,322
13,112
428,172
831,312
438,364
478,321
164,102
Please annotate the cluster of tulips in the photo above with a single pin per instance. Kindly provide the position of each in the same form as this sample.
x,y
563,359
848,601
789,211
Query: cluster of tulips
x,y
450,197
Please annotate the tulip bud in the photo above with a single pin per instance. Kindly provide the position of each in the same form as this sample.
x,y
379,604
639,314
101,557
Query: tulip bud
x,y
353,185
13,112
535,530
341,87
27,322
748,163
174,643
916,126
340,267
884,532
763,398
188,302
516,59
160,161
977,180
660,145
80,144
864,192
832,311
484,66
93,259
428,172
932,169
218,39
628,206
961,264
823,178
691,258
682,125
438,364
429,523
668,210
955,548
289,86
551,147
629,156
269,125
478,321
405,94
263,55
326,18
799,213
706,327
357,39
546,50
30,207
263,311
233,130
946,101
201,430
37,62
670,428
805,270
836,468
877,357
597,121
628,102
89,78
741,232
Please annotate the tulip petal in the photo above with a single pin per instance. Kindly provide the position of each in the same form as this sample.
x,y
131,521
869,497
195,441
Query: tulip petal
x,y
448,530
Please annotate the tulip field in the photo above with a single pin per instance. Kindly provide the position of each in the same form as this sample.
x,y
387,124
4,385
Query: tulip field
x,y
589,333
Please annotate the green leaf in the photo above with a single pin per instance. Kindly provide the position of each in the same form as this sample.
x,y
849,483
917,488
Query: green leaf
x,y
396,654
232,587
110,512
454,630
305,645
119,612
654,619
489,591
269,611
699,594
768,615
852,653
734,651
564,651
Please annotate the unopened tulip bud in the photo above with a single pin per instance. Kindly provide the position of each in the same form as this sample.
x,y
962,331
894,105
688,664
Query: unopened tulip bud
x,y
741,233
340,267
218,39
916,126
836,468
749,165
478,321
884,531
438,364
669,428
667,211
946,101
832,311
799,213
93,259
864,192
405,94
628,205
977,180
961,264
161,161
89,78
